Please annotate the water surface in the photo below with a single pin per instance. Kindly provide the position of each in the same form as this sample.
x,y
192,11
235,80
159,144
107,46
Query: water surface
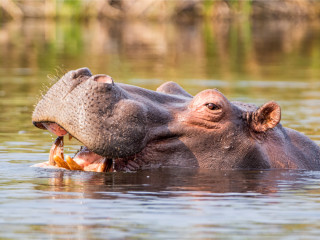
x,y
251,62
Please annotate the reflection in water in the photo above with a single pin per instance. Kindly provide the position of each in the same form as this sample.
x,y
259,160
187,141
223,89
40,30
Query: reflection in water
x,y
170,182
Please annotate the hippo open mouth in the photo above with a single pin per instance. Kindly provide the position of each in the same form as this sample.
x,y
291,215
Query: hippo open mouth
x,y
83,160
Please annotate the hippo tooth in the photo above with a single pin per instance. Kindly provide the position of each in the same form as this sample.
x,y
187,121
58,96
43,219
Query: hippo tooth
x,y
56,150
72,164
60,162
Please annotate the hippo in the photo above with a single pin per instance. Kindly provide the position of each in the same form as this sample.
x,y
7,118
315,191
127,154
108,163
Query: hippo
x,y
127,128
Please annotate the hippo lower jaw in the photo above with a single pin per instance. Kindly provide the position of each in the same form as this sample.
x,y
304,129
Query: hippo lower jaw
x,y
83,160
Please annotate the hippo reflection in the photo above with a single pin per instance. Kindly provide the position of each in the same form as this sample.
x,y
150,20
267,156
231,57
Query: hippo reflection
x,y
124,127
166,182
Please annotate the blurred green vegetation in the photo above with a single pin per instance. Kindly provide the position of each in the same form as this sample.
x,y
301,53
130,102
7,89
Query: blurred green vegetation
x,y
225,50
159,9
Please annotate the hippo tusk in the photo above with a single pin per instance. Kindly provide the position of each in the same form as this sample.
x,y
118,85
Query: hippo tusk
x,y
72,164
56,150
60,162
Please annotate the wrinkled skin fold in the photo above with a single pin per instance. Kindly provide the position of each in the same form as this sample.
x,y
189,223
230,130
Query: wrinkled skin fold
x,y
124,127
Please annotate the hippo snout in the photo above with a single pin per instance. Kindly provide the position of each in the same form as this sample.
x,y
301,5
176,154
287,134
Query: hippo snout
x,y
92,109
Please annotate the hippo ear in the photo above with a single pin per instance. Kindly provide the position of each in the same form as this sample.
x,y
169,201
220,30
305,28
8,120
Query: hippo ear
x,y
265,117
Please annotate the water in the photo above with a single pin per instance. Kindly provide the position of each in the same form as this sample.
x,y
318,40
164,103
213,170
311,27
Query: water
x,y
250,62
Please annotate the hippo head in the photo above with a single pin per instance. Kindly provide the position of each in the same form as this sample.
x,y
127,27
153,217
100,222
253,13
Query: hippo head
x,y
136,128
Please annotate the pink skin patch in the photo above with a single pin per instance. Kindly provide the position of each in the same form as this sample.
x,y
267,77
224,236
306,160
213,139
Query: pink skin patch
x,y
88,160
55,129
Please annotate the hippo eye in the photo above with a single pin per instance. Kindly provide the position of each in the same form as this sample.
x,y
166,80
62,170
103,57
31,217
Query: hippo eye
x,y
212,106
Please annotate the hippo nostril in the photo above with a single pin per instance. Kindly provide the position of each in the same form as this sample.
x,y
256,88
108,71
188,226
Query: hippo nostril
x,y
103,79
81,72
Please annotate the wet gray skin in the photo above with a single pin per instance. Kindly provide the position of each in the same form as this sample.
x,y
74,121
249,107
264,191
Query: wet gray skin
x,y
140,128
